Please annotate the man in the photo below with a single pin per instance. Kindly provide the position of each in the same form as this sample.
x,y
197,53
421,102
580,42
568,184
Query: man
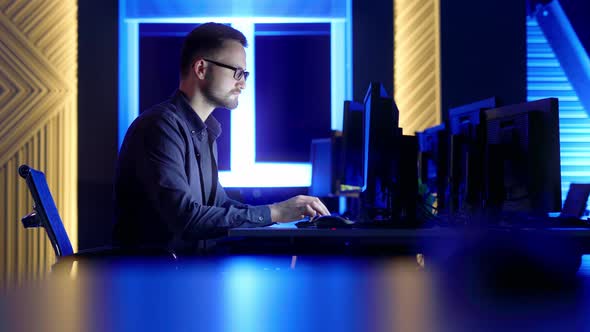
x,y
167,193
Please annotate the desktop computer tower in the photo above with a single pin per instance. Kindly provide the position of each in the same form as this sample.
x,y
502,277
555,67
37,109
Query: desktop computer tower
x,y
405,190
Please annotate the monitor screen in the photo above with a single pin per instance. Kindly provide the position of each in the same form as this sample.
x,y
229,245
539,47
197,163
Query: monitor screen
x,y
522,158
467,143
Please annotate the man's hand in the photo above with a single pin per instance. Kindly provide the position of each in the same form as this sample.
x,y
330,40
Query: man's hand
x,y
296,208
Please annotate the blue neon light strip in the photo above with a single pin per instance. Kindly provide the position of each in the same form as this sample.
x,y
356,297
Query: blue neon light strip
x,y
546,78
234,8
292,33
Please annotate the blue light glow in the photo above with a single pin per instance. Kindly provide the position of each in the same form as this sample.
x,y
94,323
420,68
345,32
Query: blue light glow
x,y
338,73
245,172
128,76
574,124
242,292
568,50
234,8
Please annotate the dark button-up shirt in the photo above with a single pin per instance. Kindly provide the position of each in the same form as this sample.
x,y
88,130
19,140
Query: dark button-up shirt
x,y
167,192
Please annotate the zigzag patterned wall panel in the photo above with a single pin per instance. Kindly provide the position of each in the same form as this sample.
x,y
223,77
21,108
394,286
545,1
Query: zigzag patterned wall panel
x,y
416,63
38,127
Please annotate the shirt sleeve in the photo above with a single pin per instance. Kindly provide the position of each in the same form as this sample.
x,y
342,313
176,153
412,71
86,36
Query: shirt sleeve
x,y
261,215
164,179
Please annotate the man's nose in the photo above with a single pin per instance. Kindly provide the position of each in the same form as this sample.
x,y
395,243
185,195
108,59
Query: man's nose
x,y
241,83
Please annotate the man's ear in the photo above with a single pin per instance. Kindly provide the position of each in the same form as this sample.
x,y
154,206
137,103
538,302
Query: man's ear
x,y
200,68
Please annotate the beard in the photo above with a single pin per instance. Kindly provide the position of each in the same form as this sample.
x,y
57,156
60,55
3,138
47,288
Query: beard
x,y
217,99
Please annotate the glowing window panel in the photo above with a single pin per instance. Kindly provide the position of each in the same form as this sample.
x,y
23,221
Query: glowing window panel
x,y
245,171
546,78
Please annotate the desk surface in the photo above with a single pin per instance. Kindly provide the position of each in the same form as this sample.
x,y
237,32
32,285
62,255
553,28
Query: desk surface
x,y
259,293
561,241
289,230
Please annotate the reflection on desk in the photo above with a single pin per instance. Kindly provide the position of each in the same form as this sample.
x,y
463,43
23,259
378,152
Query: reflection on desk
x,y
260,293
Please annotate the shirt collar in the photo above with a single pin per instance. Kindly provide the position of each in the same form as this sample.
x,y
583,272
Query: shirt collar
x,y
193,120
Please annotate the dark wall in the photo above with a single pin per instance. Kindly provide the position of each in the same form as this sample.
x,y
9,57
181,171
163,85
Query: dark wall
x,y
97,119
483,51
372,40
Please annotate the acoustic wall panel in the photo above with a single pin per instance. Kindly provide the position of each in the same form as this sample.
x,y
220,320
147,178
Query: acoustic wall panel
x,y
38,127
416,64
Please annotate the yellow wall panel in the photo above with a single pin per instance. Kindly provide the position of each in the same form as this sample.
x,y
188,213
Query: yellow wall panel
x,y
38,127
416,63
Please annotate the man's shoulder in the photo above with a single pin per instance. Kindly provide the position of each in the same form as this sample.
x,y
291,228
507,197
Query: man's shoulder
x,y
166,108
156,120
164,112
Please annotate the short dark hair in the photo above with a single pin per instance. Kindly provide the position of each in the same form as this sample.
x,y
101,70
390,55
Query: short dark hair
x,y
204,40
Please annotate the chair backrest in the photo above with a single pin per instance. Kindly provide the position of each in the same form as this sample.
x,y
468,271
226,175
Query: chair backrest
x,y
45,212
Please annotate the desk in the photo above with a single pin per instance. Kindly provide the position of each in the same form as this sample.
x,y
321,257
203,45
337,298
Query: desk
x,y
503,249
289,230
419,239
286,293
289,239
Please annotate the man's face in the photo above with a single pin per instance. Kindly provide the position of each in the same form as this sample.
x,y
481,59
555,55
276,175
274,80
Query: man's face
x,y
221,88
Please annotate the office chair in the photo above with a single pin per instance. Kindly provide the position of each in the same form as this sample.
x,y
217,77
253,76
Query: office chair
x,y
45,215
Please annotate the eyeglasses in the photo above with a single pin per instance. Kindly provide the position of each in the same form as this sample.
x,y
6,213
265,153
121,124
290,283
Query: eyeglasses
x,y
238,72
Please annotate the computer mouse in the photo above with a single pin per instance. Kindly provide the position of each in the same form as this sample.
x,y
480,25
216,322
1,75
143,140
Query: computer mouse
x,y
329,221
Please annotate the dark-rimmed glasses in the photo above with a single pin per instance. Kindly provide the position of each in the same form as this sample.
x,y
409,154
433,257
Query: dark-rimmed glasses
x,y
238,72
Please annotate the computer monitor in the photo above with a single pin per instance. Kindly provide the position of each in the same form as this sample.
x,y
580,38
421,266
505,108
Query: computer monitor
x,y
467,145
433,162
337,162
522,158
390,177
351,179
325,161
